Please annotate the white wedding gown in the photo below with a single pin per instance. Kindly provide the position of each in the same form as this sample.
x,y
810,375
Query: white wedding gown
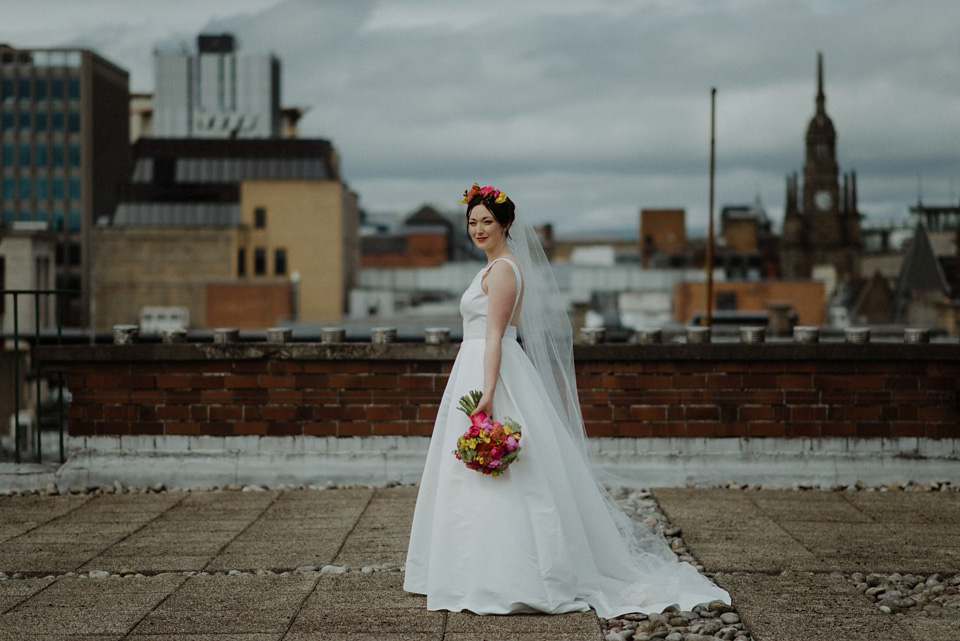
x,y
538,538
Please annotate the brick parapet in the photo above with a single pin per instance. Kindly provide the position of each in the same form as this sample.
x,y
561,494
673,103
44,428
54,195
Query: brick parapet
x,y
362,389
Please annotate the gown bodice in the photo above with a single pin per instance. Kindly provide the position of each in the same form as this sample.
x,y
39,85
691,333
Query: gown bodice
x,y
473,305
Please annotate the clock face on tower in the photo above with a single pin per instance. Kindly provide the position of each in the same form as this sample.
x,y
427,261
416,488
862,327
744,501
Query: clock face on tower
x,y
822,200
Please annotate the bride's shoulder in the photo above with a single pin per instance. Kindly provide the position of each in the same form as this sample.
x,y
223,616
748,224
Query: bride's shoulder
x,y
503,270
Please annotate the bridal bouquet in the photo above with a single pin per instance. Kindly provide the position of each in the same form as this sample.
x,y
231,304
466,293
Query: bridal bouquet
x,y
488,446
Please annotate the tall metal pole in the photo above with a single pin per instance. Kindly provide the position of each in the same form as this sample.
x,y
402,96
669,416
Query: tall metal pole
x,y
708,298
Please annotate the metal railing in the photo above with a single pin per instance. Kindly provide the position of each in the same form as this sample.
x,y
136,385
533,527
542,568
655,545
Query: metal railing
x,y
35,364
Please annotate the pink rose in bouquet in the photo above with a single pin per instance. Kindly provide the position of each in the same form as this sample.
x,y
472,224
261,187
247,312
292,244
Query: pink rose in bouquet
x,y
487,446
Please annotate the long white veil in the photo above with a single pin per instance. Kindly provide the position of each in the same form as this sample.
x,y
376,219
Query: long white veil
x,y
547,337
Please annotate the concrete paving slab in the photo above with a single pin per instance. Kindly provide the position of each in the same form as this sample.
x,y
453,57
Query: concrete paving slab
x,y
584,624
22,636
370,619
769,551
93,601
204,637
11,530
829,511
225,497
67,588
192,526
802,607
179,622
101,530
518,636
41,563
68,621
361,550
358,636
148,564
930,628
24,587
151,548
272,562
250,545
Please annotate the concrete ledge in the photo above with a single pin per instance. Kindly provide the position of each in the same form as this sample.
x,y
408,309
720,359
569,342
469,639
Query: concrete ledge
x,y
207,461
656,462
769,351
26,476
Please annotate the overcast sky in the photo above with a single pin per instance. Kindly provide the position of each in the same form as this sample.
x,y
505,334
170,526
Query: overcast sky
x,y
583,111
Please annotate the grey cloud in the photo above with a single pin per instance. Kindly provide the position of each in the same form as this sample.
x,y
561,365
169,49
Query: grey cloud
x,y
592,111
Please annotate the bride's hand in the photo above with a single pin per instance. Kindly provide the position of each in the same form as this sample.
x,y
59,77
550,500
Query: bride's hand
x,y
485,405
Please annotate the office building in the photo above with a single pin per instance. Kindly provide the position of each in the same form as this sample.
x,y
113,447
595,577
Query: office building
x,y
64,148
217,92
241,233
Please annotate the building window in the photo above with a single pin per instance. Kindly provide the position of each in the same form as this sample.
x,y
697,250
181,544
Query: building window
x,y
8,154
74,87
41,214
260,217
41,156
40,89
25,190
23,213
7,121
42,191
74,252
6,90
40,121
74,225
7,218
7,191
56,89
259,261
24,89
56,122
57,187
26,155
74,187
242,262
74,154
57,152
726,301
280,262
73,122
56,223
24,120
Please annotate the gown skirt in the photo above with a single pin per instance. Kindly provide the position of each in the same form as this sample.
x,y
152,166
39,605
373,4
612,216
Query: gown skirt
x,y
539,537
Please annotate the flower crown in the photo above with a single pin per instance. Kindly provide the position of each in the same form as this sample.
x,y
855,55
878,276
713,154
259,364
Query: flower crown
x,y
486,193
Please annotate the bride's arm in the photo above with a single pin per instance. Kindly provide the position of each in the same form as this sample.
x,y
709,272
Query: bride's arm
x,y
501,287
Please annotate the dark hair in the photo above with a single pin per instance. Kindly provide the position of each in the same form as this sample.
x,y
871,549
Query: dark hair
x,y
503,213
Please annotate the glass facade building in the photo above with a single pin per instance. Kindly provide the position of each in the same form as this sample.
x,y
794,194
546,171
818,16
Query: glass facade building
x,y
64,149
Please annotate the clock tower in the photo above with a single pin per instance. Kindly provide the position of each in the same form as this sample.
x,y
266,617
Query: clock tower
x,y
824,228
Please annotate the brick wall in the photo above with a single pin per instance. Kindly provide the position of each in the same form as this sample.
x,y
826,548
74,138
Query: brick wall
x,y
718,390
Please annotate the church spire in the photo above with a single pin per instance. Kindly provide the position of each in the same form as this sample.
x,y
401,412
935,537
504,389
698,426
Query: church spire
x,y
820,97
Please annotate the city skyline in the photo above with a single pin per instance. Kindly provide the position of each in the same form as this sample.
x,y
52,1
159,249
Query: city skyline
x,y
583,113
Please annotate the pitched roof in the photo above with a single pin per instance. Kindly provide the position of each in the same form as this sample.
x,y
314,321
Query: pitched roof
x,y
921,270
427,215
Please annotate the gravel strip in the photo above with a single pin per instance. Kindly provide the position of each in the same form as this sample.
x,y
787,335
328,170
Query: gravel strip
x,y
912,595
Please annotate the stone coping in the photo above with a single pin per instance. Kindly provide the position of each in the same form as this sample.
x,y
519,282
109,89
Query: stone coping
x,y
773,351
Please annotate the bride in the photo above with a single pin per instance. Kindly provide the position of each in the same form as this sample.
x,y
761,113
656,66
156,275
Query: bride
x,y
545,536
